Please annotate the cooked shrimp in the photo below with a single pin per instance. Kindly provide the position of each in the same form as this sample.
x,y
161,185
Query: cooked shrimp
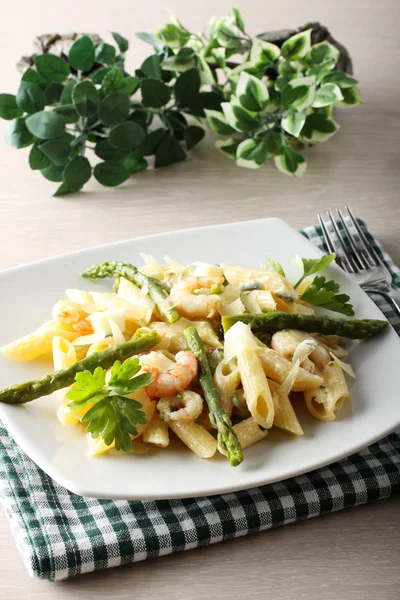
x,y
167,382
184,406
285,343
192,305
66,312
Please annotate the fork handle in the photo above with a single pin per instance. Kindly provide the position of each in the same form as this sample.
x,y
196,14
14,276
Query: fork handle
x,y
392,297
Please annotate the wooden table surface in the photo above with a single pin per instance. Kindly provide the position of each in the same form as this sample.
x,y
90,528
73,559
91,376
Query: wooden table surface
x,y
350,555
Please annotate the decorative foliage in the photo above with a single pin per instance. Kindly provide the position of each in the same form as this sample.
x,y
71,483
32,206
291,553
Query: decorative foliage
x,y
273,103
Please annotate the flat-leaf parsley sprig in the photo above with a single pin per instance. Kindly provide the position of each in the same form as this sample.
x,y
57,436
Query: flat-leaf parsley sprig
x,y
112,416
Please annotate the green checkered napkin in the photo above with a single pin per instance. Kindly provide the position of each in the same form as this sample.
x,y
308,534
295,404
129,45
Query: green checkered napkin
x,y
61,535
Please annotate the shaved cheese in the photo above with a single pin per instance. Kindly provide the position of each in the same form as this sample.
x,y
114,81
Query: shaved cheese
x,y
250,302
302,309
149,260
239,337
119,303
234,308
157,360
304,349
345,366
290,379
207,270
79,296
101,323
116,331
265,300
92,338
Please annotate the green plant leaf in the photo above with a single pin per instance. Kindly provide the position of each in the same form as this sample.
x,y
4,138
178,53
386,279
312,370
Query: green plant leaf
x,y
52,68
105,54
273,142
114,109
324,51
30,97
251,154
31,75
53,93
290,162
293,122
318,128
149,38
310,266
126,136
46,124
174,35
238,117
142,117
151,67
66,95
227,33
129,85
323,293
219,123
134,163
81,54
86,98
263,53
151,142
193,135
68,113
77,172
8,107
327,94
64,189
251,92
106,151
341,79
155,93
38,160
176,122
351,97
112,81
228,147
271,265
121,42
58,149
299,93
52,173
111,173
323,69
185,55
297,46
238,18
187,87
98,75
169,152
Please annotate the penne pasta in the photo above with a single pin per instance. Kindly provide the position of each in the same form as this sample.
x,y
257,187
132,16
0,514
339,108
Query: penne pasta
x,y
157,432
329,397
195,437
284,415
226,379
249,432
277,368
143,304
37,343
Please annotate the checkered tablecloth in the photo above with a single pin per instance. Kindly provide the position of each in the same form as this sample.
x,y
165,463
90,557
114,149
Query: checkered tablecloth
x,y
61,535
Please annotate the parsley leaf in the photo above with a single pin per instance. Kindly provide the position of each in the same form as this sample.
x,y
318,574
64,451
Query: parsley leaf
x,y
111,416
271,265
309,266
323,293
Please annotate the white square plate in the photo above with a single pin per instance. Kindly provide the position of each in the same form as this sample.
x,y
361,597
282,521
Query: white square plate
x,y
27,295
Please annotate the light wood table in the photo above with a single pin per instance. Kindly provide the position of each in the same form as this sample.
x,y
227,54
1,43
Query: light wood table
x,y
352,555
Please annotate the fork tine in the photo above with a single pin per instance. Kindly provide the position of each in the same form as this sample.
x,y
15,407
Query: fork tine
x,y
353,268
358,255
330,245
376,261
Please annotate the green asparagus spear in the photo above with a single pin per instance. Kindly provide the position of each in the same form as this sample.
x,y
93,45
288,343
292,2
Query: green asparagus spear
x,y
25,392
227,438
355,329
156,289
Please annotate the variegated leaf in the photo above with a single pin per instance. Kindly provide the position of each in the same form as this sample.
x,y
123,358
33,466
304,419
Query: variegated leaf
x,y
290,162
299,93
297,46
351,97
293,122
263,53
327,94
251,92
228,147
218,122
251,154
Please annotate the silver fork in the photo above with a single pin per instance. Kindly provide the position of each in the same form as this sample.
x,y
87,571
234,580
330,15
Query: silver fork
x,y
359,259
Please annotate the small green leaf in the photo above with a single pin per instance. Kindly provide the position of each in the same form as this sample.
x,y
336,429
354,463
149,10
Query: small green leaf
x,y
64,189
227,33
8,107
129,85
151,67
155,93
106,151
52,68
327,94
114,109
297,46
111,173
174,35
263,53
86,98
290,162
251,154
58,149
324,294
318,128
193,135
31,75
185,55
68,113
238,117
237,15
105,54
151,142
77,172
341,79
228,147
176,122
322,70
142,117
126,136
112,81
30,97
187,87
98,75
251,92
52,173
66,95
81,54
219,123
299,93
273,266
324,51
169,152
46,124
310,266
86,387
38,160
273,142
121,42
293,122
134,163
149,38
351,97
53,93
